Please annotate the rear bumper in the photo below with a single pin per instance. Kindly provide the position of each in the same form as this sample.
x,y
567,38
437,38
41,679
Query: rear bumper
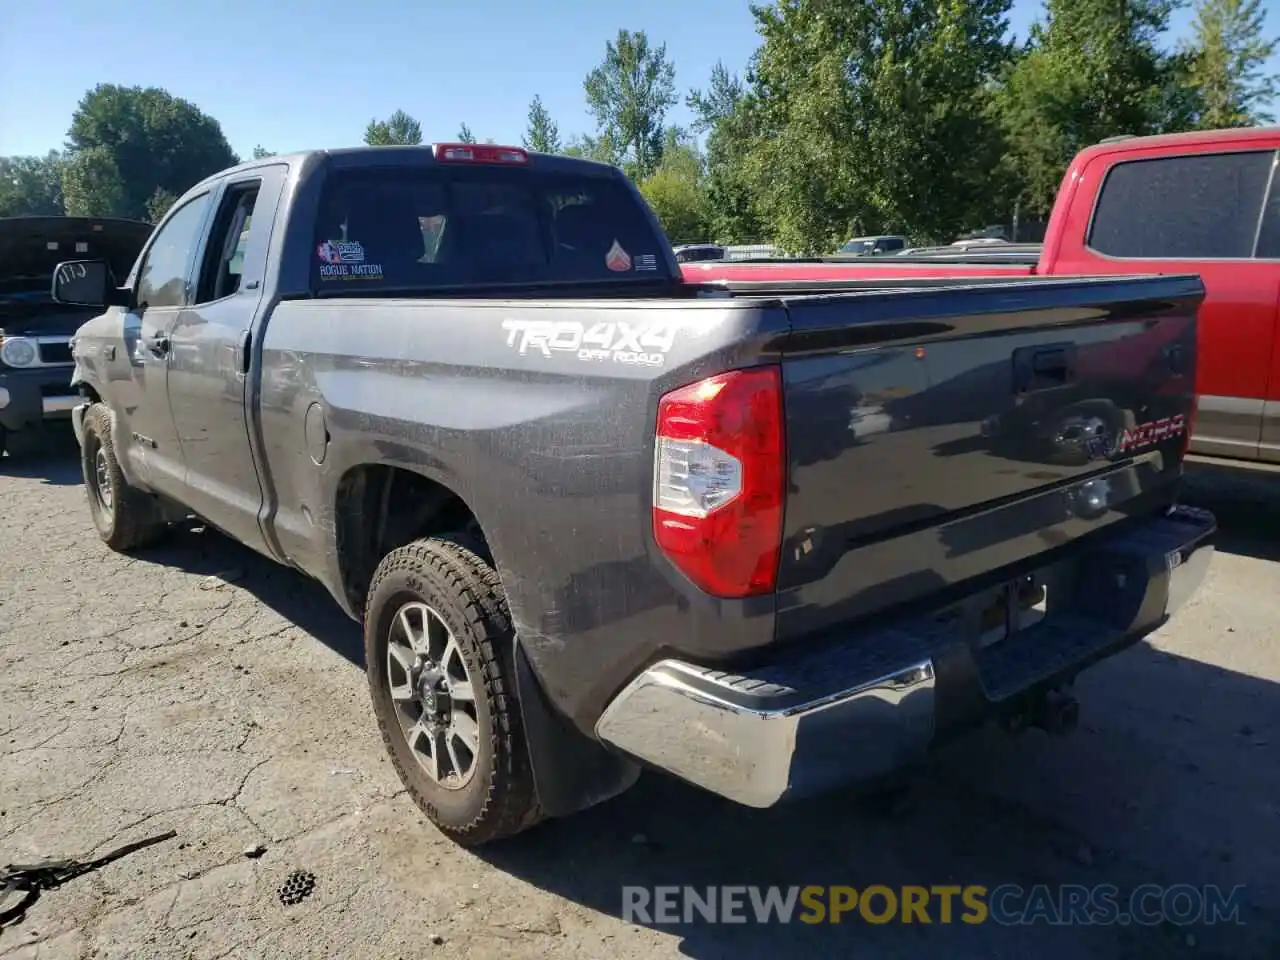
x,y
878,700
29,397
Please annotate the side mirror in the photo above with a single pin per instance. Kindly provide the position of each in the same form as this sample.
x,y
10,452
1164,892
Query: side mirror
x,y
86,283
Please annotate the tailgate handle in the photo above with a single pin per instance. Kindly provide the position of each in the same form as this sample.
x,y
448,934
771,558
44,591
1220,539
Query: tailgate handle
x,y
1051,361
1039,368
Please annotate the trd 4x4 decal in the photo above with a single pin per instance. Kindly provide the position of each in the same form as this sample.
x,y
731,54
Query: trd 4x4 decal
x,y
646,342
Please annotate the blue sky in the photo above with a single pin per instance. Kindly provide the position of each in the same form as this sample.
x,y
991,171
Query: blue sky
x,y
292,75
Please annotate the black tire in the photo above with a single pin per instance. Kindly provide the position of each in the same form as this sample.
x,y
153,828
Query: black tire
x,y
444,573
126,518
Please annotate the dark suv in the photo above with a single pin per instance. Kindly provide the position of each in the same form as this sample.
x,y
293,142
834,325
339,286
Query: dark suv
x,y
35,332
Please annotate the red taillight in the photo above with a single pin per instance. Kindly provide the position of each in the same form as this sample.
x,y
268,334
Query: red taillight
x,y
718,481
478,153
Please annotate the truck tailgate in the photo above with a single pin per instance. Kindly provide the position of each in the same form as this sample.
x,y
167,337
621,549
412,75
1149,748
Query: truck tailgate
x,y
935,436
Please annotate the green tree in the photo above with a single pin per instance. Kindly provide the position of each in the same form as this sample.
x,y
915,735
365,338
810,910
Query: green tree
x,y
1092,69
261,153
31,186
676,193
399,128
718,113
600,149
465,135
133,141
159,203
1227,57
629,95
92,185
718,101
542,136
887,99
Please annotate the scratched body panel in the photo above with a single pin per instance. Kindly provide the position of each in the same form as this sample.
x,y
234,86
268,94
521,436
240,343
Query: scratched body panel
x,y
551,450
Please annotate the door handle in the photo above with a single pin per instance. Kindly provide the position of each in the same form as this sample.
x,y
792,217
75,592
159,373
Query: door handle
x,y
243,355
158,345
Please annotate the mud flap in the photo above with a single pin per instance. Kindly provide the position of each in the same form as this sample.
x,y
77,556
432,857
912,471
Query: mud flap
x,y
570,770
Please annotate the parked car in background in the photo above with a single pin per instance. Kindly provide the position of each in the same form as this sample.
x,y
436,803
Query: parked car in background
x,y
35,356
694,252
872,246
1206,202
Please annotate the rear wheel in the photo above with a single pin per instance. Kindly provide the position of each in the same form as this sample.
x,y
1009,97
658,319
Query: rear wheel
x,y
437,640
125,517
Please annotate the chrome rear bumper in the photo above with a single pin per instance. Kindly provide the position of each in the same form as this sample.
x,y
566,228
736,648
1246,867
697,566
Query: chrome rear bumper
x,y
867,704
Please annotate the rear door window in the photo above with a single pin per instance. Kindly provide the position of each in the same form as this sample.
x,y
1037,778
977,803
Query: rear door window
x,y
224,256
1196,207
1269,228
440,227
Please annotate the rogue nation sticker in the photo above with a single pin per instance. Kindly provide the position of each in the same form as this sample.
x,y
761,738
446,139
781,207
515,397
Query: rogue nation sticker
x,y
344,260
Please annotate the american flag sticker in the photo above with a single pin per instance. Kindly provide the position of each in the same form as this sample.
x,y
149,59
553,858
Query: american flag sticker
x,y
647,261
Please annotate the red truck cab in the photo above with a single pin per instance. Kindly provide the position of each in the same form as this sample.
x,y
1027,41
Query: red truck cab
x,y
1206,202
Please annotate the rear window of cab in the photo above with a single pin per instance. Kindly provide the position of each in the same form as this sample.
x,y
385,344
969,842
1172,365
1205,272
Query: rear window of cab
x,y
450,226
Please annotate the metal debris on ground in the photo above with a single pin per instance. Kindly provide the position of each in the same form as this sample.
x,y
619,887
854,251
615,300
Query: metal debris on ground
x,y
22,884
297,887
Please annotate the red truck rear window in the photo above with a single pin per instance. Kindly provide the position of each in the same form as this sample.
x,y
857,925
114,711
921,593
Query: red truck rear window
x,y
475,226
1201,207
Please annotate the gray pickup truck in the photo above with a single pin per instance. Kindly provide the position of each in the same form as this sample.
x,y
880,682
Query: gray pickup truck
x,y
594,518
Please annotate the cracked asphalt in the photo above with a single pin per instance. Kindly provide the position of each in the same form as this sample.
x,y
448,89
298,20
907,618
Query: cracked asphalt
x,y
199,688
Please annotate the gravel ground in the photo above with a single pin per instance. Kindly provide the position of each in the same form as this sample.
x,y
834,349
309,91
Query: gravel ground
x,y
201,689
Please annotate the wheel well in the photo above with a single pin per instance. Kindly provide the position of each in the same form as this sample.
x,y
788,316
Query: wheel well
x,y
380,508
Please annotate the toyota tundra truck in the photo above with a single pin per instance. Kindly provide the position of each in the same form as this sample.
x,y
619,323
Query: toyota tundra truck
x,y
596,519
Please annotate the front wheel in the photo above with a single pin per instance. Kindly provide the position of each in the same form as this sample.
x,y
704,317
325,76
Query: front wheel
x,y
125,517
437,639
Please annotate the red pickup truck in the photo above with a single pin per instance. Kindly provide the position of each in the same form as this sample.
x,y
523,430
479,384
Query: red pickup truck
x,y
1205,202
